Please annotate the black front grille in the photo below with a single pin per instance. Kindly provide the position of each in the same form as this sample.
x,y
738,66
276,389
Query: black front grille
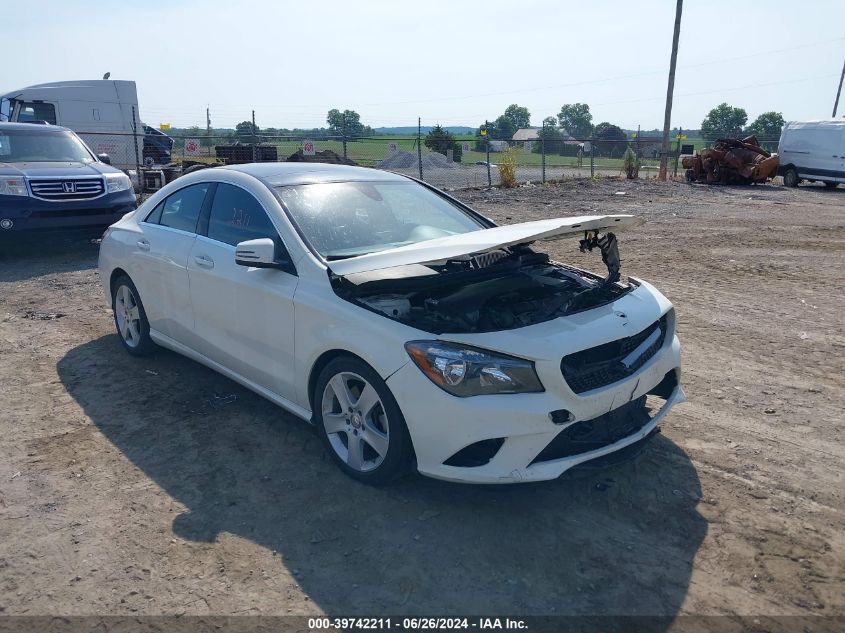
x,y
67,189
64,213
603,365
476,454
591,435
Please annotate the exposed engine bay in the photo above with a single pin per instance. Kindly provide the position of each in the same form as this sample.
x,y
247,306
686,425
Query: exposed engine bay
x,y
497,290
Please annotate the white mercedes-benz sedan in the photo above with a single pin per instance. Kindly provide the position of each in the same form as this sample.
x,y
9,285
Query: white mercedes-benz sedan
x,y
412,331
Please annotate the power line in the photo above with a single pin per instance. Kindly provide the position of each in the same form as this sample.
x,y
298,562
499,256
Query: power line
x,y
656,71
308,116
610,79
718,90
319,120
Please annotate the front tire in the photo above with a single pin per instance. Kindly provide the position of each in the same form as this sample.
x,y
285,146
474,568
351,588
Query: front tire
x,y
360,422
831,185
130,318
790,177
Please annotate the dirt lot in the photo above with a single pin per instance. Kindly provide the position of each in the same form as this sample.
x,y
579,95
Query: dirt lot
x,y
157,486
463,175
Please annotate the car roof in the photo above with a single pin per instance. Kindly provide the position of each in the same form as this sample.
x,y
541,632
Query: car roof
x,y
4,125
296,173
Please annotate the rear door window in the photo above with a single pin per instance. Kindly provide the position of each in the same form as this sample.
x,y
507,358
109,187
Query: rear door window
x,y
181,209
236,216
155,215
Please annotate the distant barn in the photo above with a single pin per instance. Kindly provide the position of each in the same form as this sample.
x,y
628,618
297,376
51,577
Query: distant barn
x,y
527,134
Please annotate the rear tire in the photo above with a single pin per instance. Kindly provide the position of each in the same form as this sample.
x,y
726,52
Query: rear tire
x,y
360,423
831,185
790,177
130,318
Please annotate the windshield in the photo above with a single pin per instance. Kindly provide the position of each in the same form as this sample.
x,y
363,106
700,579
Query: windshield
x,y
347,219
41,146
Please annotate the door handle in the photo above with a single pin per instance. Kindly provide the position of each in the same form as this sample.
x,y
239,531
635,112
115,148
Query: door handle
x,y
204,260
143,245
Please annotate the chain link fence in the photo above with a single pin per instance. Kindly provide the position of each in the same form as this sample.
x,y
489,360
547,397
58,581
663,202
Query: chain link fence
x,y
154,158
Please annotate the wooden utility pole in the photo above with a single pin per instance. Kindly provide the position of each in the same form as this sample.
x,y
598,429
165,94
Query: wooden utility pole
x,y
664,151
838,92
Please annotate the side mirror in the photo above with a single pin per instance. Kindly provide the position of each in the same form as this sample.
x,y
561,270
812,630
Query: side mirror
x,y
104,158
260,253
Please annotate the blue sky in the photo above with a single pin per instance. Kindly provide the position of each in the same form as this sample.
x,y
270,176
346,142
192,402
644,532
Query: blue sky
x,y
450,62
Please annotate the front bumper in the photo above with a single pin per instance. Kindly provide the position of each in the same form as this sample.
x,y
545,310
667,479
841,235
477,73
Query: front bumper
x,y
441,425
25,213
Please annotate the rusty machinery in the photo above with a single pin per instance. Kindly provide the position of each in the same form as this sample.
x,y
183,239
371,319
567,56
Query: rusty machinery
x,y
731,162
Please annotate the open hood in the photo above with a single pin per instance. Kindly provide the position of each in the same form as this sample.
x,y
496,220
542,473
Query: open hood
x,y
482,241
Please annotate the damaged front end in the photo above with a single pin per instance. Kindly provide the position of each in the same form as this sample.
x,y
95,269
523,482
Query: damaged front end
x,y
501,289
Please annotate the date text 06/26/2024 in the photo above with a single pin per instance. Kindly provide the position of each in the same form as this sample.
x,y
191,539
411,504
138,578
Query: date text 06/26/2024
x,y
416,624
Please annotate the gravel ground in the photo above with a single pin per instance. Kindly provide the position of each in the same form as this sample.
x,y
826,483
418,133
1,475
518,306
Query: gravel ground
x,y
156,486
464,176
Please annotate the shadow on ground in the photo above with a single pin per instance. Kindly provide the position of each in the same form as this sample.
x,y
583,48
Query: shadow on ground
x,y
620,540
33,255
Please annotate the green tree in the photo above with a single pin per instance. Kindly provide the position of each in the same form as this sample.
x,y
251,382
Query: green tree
x,y
439,140
503,129
723,121
245,132
348,120
552,137
611,140
576,119
518,116
767,126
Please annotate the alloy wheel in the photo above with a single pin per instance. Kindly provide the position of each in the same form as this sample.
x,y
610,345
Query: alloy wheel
x,y
355,421
128,316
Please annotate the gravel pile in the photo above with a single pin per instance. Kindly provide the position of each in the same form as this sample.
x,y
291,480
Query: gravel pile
x,y
406,160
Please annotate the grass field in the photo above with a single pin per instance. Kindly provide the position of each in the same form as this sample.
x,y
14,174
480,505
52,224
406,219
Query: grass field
x,y
369,152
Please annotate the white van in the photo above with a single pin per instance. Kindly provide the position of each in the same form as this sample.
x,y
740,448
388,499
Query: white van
x,y
812,150
104,113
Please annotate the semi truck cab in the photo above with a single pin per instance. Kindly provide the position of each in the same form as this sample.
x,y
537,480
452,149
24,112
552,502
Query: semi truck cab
x,y
104,113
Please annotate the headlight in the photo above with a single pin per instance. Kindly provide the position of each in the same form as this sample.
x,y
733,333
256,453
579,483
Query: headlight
x,y
117,182
13,186
467,371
